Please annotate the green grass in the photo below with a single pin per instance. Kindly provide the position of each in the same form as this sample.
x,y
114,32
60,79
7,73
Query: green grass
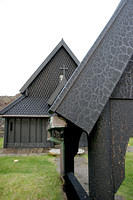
x,y
130,141
85,156
126,189
32,178
1,142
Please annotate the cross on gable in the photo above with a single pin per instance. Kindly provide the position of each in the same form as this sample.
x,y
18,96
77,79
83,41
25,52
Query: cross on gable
x,y
64,68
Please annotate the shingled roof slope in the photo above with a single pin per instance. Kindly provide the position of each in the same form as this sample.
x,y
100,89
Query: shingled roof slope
x,y
27,106
89,88
35,74
9,106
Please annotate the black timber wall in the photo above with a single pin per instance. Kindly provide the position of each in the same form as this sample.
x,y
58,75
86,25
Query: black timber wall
x,y
26,132
107,148
109,139
30,133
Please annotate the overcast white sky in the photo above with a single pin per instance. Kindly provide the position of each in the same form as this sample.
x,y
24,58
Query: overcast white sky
x,y
30,29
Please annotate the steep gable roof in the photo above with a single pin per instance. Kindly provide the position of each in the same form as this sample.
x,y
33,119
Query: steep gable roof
x,y
88,90
56,49
35,101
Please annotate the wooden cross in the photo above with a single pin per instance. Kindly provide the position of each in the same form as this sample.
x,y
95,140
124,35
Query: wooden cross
x,y
64,68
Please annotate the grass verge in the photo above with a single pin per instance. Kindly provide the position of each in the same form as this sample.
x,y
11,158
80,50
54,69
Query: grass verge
x,y
126,189
31,178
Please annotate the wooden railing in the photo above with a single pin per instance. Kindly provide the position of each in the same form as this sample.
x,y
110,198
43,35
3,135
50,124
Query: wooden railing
x,y
74,189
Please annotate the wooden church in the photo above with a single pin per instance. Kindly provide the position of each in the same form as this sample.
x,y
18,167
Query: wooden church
x,y
26,119
98,99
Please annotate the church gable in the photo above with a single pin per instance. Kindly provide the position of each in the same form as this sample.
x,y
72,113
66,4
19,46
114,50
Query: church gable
x,y
91,85
48,79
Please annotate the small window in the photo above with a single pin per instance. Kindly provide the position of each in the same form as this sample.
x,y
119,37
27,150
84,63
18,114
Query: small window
x,y
11,126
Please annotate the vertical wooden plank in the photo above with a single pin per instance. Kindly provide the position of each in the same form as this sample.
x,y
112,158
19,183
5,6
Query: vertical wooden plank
x,y
20,130
17,130
11,131
29,128
32,131
41,129
6,133
25,131
44,133
38,130
14,129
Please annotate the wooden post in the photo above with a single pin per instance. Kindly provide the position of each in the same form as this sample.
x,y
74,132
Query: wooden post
x,y
71,143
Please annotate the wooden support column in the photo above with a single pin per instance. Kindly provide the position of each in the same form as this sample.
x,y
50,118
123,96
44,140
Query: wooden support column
x,y
71,142
100,159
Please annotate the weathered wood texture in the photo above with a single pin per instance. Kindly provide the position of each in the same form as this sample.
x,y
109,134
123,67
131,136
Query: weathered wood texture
x,y
26,132
107,148
122,130
100,159
73,188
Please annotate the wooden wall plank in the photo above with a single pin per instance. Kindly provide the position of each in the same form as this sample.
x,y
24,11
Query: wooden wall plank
x,y
11,131
32,131
6,133
38,130
25,131
17,130
44,134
